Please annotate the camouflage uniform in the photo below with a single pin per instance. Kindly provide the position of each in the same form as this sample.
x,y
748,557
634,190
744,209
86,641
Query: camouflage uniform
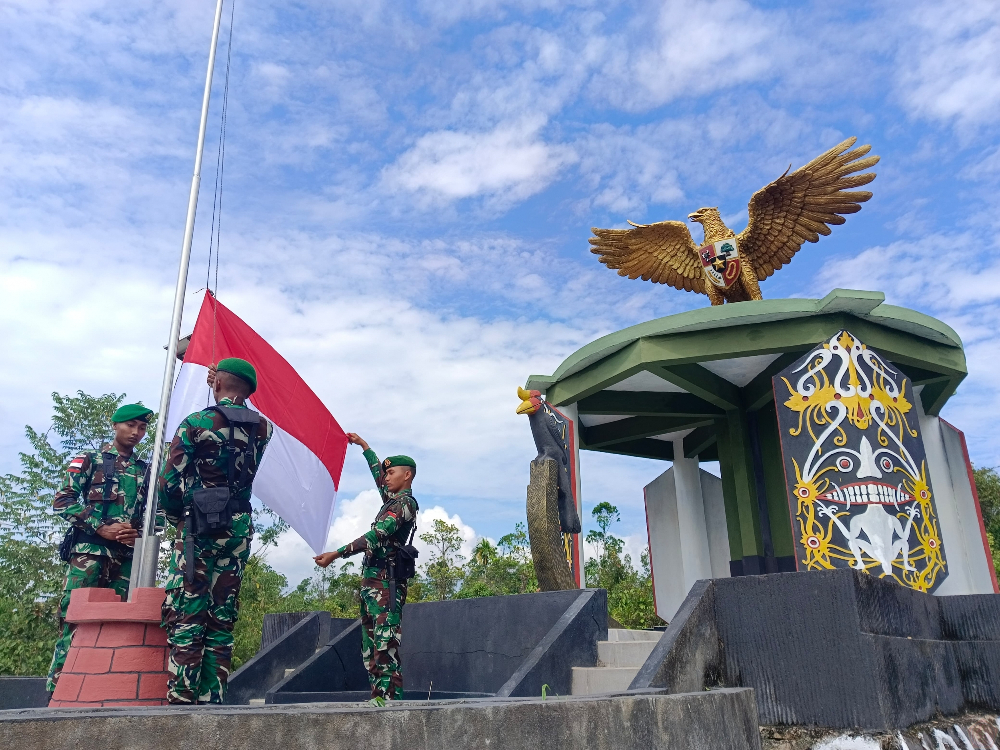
x,y
199,617
92,565
381,619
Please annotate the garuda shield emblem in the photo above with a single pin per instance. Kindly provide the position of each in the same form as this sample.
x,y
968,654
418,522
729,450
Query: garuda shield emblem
x,y
721,262
859,493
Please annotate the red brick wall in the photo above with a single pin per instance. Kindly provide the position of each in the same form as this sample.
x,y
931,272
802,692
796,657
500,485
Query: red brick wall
x,y
118,656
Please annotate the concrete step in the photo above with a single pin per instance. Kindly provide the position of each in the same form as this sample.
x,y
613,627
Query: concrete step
x,y
624,653
594,680
620,635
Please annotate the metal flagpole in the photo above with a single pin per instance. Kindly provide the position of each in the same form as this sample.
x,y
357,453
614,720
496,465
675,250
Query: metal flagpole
x,y
146,573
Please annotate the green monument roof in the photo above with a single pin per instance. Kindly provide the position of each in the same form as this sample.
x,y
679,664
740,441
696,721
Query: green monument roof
x,y
683,371
864,305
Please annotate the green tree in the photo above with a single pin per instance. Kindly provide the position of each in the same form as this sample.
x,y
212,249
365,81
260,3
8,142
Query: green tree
x,y
604,514
31,574
630,591
262,589
504,568
443,571
988,488
260,594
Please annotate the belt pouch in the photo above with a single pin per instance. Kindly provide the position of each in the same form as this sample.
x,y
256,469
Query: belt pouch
x,y
211,511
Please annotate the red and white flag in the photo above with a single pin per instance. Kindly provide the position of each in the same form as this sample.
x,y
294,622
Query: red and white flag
x,y
300,472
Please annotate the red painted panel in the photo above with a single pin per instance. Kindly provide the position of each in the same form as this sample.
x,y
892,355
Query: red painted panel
x,y
155,636
86,634
138,659
108,687
114,634
153,685
68,687
93,660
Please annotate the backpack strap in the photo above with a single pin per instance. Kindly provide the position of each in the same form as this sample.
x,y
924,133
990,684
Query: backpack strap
x,y
250,454
108,469
239,416
413,531
141,490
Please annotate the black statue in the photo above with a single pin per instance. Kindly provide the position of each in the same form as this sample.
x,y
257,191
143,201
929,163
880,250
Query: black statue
x,y
552,440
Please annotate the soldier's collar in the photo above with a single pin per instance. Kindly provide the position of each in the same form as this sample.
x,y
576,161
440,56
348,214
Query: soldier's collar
x,y
113,450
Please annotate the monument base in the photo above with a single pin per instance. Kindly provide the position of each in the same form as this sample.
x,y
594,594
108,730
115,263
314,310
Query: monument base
x,y
708,720
118,656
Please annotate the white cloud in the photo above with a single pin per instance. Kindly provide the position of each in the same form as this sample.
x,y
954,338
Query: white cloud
x,y
955,278
510,163
425,525
682,49
948,66
292,557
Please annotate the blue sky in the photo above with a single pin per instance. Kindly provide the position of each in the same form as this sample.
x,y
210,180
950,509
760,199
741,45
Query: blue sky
x,y
409,190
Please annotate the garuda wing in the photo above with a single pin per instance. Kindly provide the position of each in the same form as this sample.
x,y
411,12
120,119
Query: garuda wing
x,y
797,207
663,253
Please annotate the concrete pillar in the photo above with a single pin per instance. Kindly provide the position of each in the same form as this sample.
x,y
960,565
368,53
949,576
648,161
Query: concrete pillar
x,y
968,561
691,517
686,528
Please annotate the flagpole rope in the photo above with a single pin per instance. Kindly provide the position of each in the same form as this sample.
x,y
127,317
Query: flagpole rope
x,y
215,232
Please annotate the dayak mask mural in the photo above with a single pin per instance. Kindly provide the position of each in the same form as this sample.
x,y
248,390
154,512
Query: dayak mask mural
x,y
859,493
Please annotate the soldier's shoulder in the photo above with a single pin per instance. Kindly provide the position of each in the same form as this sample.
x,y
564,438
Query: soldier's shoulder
x,y
206,419
410,501
82,461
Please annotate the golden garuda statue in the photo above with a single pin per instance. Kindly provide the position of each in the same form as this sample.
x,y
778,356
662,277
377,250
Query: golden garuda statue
x,y
793,209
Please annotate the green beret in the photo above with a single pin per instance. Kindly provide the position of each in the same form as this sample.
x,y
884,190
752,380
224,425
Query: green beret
x,y
131,411
241,369
400,461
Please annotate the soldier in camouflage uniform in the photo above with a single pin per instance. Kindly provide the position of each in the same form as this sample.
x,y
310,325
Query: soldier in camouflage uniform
x,y
102,532
381,618
199,616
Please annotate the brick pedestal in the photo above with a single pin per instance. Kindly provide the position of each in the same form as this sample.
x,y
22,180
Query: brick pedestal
x,y
118,656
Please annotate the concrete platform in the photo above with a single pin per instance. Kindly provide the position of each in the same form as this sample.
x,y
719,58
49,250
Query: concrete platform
x,y
838,648
624,635
506,646
598,680
714,720
627,654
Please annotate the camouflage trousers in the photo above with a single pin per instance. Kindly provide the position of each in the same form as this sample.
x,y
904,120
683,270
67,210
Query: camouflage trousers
x,y
199,618
86,572
380,635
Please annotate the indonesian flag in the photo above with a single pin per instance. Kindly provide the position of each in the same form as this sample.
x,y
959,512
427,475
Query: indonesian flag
x,y
300,472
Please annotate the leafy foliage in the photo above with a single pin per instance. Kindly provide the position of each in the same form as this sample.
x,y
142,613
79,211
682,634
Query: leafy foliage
x,y
630,591
504,568
262,590
443,571
31,575
988,488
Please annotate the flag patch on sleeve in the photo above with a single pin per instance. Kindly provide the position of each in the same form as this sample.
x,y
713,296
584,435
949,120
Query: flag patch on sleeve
x,y
76,465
